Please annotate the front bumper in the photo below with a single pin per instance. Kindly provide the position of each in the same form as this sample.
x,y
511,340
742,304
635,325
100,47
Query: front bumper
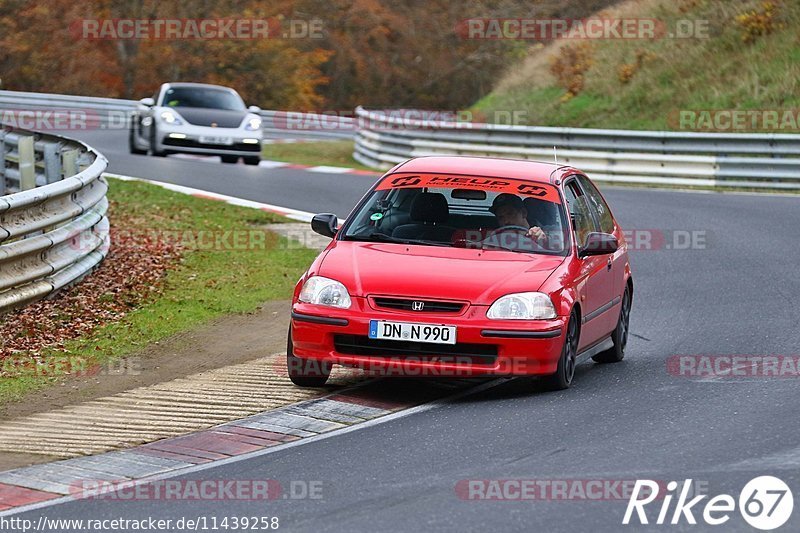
x,y
484,347
187,139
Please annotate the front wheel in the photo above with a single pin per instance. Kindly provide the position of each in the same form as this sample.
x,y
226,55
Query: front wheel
x,y
230,158
132,148
252,160
153,150
616,353
565,372
305,372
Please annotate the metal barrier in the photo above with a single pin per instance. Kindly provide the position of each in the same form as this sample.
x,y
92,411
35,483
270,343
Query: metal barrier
x,y
759,161
111,113
53,225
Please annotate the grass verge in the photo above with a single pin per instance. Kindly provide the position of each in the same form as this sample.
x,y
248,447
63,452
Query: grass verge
x,y
329,153
228,264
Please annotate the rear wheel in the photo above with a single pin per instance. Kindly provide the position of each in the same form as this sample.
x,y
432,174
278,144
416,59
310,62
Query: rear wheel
x,y
230,158
305,372
252,160
565,372
616,353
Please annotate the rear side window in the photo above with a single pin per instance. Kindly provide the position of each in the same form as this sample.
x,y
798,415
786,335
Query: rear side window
x,y
598,205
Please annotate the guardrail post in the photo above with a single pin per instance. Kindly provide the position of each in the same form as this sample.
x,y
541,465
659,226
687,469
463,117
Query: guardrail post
x,y
2,163
69,162
52,163
27,164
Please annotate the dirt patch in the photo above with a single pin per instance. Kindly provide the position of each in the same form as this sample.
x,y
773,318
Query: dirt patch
x,y
131,275
257,334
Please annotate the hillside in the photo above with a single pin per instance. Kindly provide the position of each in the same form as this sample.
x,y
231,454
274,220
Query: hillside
x,y
750,60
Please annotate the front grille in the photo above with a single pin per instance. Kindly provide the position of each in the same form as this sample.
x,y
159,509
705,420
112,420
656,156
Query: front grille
x,y
189,143
476,354
428,306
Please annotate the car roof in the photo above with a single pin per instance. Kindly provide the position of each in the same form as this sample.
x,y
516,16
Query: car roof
x,y
494,167
192,84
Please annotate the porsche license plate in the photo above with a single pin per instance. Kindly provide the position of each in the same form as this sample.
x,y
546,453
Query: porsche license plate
x,y
404,331
211,139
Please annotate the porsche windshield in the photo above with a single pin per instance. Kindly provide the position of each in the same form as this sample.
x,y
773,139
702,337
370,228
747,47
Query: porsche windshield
x,y
518,216
205,97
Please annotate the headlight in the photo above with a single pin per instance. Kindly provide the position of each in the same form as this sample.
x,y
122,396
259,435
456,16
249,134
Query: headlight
x,y
324,291
522,306
253,124
171,117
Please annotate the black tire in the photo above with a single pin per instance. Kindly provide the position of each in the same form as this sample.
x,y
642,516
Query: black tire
x,y
305,372
565,373
230,158
153,150
131,144
252,160
616,353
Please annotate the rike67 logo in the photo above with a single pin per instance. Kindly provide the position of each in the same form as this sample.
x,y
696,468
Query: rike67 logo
x,y
765,502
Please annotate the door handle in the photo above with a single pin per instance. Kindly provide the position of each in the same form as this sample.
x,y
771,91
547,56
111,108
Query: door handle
x,y
609,264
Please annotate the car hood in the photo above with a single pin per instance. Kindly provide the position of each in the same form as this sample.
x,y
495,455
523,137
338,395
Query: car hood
x,y
477,276
200,116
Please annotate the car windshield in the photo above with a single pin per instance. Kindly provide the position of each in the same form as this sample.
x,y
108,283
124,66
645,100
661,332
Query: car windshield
x,y
206,97
462,212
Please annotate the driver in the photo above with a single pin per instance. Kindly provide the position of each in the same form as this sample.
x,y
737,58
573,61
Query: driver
x,y
511,213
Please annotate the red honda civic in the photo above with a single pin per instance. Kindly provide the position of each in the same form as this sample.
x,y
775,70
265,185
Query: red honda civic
x,y
466,266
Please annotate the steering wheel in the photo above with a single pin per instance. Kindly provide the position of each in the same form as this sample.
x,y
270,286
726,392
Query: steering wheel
x,y
505,229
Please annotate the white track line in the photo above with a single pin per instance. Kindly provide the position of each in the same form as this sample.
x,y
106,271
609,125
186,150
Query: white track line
x,y
288,212
329,170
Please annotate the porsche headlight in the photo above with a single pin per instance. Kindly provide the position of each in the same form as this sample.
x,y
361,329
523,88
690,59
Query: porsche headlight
x,y
522,306
253,124
170,117
324,291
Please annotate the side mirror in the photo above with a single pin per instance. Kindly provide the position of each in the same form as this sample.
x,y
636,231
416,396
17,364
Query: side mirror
x,y
147,102
254,109
325,224
599,244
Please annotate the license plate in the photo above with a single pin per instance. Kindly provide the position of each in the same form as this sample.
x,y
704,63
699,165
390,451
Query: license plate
x,y
204,139
403,331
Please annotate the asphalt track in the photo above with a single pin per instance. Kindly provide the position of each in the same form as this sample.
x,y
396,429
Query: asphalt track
x,y
733,292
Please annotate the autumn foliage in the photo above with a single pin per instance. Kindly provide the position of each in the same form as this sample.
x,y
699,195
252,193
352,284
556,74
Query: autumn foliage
x,y
398,53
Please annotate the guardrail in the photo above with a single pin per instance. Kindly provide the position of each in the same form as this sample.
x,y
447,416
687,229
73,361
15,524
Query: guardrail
x,y
753,161
53,225
113,113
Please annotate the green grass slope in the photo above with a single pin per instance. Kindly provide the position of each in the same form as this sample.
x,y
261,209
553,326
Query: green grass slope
x,y
750,60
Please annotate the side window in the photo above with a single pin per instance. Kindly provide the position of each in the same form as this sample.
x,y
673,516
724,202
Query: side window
x,y
598,205
579,212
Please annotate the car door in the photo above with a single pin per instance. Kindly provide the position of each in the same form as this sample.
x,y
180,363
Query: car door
x,y
607,224
595,280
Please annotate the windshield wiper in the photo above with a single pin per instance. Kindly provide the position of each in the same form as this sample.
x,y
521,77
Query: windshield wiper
x,y
382,237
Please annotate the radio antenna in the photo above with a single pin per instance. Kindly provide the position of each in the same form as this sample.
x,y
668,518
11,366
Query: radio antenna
x,y
555,154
